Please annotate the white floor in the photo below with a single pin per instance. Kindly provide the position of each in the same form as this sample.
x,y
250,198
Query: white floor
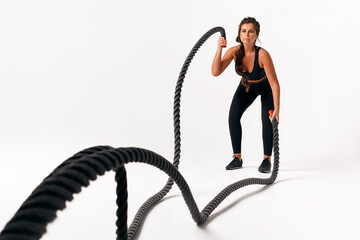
x,y
301,204
70,79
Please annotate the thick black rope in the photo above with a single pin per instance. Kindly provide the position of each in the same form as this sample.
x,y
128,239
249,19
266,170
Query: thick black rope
x,y
152,201
121,201
40,208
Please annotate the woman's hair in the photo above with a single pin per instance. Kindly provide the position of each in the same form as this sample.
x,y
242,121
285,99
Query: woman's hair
x,y
241,52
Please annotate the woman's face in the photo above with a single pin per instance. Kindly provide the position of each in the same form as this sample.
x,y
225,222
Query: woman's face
x,y
248,34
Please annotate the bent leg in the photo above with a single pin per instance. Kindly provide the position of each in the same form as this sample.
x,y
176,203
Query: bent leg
x,y
267,103
240,102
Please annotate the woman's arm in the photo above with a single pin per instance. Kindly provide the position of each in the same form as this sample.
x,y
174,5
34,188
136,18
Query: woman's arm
x,y
274,83
220,64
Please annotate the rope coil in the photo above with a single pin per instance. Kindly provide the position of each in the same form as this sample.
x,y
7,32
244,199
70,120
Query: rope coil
x,y
39,209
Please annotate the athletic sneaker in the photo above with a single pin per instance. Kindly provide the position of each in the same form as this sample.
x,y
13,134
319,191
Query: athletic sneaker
x,y
234,164
265,166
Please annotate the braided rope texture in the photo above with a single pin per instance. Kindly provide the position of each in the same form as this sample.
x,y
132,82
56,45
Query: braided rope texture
x,y
152,201
39,209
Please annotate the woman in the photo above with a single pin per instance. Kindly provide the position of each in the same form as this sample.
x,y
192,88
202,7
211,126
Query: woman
x,y
256,68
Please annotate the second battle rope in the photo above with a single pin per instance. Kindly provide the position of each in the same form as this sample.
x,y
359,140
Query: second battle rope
x,y
39,209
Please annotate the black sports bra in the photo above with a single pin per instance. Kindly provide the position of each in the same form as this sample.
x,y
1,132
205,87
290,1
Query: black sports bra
x,y
257,72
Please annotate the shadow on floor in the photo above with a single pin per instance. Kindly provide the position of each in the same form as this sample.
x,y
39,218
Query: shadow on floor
x,y
213,216
150,209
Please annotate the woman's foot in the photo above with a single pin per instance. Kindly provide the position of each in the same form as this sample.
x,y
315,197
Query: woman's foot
x,y
265,166
234,164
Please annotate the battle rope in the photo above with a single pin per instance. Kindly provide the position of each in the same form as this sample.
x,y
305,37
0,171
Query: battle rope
x,y
39,209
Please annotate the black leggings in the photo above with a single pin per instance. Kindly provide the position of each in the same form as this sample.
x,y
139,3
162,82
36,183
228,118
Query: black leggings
x,y
241,101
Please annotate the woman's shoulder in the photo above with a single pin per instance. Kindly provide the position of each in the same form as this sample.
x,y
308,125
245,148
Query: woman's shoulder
x,y
233,50
264,56
263,52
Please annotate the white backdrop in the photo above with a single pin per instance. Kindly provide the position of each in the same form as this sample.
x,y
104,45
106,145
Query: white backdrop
x,y
75,74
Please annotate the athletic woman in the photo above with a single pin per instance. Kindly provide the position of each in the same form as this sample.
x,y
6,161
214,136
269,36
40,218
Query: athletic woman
x,y
256,68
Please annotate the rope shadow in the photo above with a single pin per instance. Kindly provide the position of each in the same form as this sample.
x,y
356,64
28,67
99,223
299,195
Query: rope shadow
x,y
140,227
39,209
215,215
